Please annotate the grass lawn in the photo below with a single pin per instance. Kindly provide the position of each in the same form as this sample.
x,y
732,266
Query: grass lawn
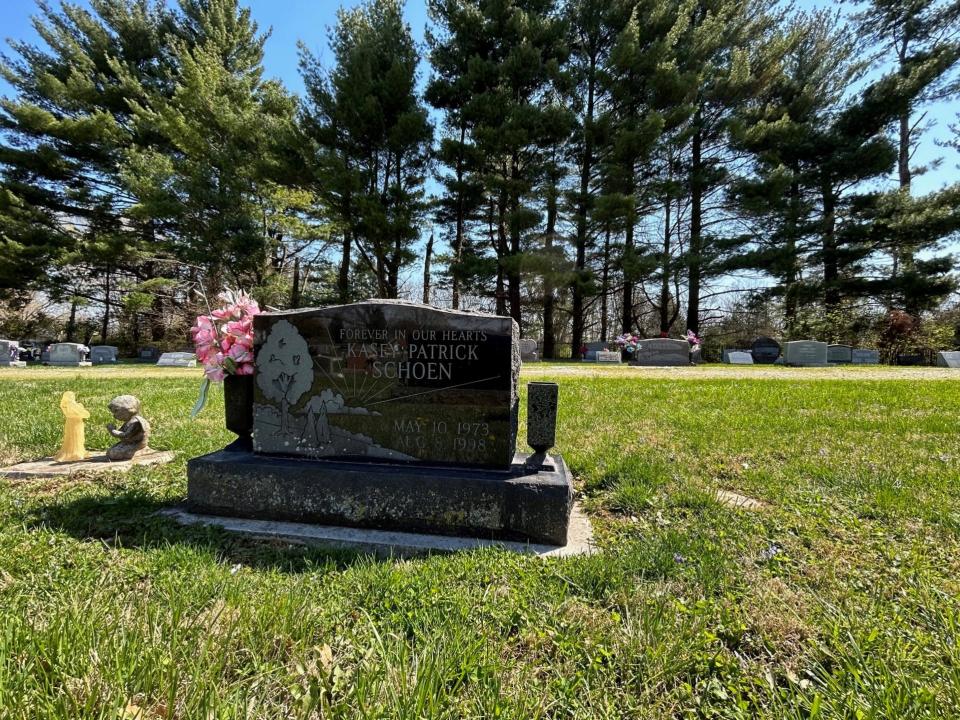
x,y
839,599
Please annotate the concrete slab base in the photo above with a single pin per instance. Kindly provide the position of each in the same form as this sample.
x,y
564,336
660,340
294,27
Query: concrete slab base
x,y
385,543
48,467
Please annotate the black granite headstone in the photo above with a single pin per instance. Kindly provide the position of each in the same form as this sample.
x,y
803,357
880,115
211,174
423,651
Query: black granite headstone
x,y
387,381
765,350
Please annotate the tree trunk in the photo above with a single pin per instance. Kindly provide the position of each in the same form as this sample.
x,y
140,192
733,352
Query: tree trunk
x,y
549,296
426,270
626,319
793,270
72,321
831,269
586,166
513,270
295,289
461,221
343,278
105,322
695,256
498,241
605,286
665,270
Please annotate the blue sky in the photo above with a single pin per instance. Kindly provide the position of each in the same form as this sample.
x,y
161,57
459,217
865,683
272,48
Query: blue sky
x,y
308,20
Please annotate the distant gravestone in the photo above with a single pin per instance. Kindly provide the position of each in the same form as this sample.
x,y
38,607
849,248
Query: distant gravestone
x,y
10,354
609,356
726,353
765,350
841,354
177,359
908,359
864,356
805,353
528,350
592,349
103,354
148,354
948,359
68,355
660,352
739,357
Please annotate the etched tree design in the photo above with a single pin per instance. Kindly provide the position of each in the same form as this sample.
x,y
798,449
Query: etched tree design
x,y
284,369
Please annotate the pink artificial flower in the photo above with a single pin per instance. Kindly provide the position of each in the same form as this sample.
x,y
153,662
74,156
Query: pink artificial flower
x,y
216,374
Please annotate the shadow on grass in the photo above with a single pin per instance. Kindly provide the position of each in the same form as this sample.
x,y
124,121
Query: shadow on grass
x,y
129,519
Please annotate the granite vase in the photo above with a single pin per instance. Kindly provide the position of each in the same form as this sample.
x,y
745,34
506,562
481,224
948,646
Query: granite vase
x,y
238,408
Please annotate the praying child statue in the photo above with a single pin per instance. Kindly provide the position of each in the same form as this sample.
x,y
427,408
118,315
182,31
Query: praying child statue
x,y
73,448
133,433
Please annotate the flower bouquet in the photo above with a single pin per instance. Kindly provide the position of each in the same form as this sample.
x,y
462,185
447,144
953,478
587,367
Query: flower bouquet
x,y
628,342
224,342
694,341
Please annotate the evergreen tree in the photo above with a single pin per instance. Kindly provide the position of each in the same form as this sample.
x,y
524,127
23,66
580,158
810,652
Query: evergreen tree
x,y
221,184
513,51
373,138
65,224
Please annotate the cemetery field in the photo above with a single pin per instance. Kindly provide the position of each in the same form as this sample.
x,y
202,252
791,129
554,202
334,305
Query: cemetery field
x,y
832,591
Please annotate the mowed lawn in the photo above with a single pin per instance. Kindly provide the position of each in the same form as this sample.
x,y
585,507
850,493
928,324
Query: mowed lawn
x,y
840,598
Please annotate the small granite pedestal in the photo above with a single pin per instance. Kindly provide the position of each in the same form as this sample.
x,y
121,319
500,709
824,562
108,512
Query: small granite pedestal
x,y
520,503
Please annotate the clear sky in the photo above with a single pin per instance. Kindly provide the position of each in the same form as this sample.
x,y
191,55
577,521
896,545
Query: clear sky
x,y
293,20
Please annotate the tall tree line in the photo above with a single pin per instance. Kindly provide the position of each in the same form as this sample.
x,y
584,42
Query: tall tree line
x,y
588,167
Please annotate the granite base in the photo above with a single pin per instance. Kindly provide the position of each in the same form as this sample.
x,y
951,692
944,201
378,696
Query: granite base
x,y
522,503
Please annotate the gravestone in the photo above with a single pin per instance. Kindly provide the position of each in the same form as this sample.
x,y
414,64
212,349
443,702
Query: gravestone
x,y
738,357
390,415
864,356
765,350
660,352
528,350
103,355
592,349
608,356
841,354
726,353
10,354
148,354
69,355
909,359
805,353
948,359
177,359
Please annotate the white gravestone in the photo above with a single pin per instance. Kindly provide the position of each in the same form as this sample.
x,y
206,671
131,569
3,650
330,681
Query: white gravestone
x,y
10,354
69,355
661,352
948,359
863,356
726,353
801,353
528,350
607,356
739,357
177,359
103,354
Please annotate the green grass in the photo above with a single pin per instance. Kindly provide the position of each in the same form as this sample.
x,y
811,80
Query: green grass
x,y
841,599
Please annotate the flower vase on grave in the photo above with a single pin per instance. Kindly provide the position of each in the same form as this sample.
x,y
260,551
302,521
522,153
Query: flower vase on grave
x,y
238,408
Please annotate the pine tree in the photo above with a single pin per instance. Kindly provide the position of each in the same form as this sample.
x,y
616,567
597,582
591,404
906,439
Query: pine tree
x,y
219,185
513,51
65,224
373,138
